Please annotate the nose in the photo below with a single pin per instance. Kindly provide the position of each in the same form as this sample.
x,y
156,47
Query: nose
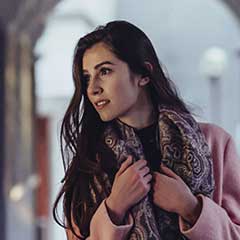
x,y
94,89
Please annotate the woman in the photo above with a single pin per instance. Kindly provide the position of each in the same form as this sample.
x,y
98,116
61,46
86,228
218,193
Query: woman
x,y
137,164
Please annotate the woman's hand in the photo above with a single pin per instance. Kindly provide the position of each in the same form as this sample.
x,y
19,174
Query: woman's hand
x,y
131,184
172,194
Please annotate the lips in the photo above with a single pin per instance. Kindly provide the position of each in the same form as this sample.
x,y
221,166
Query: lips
x,y
101,103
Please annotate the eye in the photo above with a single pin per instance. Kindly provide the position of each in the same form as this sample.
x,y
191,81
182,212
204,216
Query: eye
x,y
104,71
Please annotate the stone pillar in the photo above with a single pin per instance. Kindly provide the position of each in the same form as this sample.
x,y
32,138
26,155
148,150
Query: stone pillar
x,y
2,142
19,137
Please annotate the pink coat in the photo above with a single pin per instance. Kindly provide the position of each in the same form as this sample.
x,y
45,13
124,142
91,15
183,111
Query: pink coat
x,y
219,218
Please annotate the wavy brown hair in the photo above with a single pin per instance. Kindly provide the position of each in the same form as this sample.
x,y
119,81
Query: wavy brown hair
x,y
82,127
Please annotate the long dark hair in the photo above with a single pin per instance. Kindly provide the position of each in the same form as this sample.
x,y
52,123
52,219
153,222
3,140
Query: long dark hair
x,y
82,127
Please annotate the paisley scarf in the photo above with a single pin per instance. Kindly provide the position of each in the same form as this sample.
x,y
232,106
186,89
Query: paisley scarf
x,y
183,149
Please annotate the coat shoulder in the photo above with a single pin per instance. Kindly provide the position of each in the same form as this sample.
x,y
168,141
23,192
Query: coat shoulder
x,y
213,131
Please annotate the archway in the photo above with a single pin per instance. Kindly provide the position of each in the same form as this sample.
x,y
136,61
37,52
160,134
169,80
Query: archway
x,y
26,23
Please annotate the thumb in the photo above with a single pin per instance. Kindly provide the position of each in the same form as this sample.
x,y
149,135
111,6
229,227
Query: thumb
x,y
167,171
125,165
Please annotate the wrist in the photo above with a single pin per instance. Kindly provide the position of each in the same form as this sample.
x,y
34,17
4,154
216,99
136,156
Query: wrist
x,y
116,205
192,210
116,212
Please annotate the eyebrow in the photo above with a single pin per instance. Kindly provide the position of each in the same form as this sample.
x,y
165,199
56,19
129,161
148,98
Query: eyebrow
x,y
100,64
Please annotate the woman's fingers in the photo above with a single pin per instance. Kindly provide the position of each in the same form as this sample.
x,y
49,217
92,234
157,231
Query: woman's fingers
x,y
140,164
148,178
155,175
144,171
125,165
167,171
137,165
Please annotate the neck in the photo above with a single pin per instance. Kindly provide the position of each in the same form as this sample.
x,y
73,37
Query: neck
x,y
143,115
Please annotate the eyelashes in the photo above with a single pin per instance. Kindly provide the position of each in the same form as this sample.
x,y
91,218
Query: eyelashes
x,y
105,71
102,72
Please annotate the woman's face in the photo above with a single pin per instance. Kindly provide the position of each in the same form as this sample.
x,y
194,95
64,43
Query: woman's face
x,y
112,88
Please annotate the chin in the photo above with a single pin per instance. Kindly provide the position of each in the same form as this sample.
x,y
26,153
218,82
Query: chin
x,y
107,117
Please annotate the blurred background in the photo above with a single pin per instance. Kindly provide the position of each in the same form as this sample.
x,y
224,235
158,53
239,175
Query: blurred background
x,y
198,43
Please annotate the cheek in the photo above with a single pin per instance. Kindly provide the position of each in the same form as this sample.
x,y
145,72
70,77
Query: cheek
x,y
121,90
124,90
125,96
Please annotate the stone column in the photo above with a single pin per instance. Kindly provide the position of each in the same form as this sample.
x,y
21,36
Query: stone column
x,y
2,142
19,137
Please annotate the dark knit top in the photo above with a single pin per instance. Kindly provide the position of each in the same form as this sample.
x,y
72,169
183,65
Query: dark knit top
x,y
148,139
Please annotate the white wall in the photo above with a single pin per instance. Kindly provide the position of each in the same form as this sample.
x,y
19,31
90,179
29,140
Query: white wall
x,y
182,31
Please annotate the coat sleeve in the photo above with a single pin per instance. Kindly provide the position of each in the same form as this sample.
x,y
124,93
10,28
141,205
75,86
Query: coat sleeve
x,y
222,221
102,228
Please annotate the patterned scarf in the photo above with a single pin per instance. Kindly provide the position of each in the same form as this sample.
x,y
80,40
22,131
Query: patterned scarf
x,y
183,149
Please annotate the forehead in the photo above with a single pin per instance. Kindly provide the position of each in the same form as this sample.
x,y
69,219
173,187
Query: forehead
x,y
96,54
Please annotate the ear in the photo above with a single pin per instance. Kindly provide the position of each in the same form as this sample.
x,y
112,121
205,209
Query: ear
x,y
146,79
143,81
149,66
